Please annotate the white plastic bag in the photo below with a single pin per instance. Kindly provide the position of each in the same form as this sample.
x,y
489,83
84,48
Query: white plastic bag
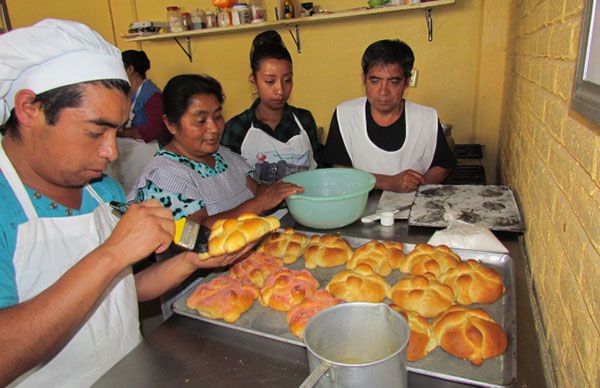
x,y
460,234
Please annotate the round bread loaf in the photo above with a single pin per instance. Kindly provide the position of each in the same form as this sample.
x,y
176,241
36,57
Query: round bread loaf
x,y
356,287
421,341
470,334
327,250
223,298
286,288
473,282
300,314
380,257
256,267
230,235
426,258
288,245
423,295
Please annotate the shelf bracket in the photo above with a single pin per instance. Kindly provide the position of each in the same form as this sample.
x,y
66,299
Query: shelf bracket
x,y
296,38
188,51
429,19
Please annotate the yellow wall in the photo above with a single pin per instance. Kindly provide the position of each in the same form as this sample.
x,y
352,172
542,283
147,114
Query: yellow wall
x,y
551,156
454,70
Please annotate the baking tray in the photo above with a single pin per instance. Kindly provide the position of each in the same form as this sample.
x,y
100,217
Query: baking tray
x,y
490,205
497,372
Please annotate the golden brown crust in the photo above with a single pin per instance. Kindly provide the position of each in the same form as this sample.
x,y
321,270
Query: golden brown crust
x,y
230,235
256,267
382,258
223,298
300,314
423,295
421,341
326,250
288,245
286,288
473,282
470,334
429,259
356,287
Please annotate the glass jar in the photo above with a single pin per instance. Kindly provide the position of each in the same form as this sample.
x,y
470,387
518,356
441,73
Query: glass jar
x,y
258,11
211,19
241,14
186,19
174,19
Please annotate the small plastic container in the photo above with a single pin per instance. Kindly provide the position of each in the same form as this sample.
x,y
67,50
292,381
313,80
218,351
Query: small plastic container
x,y
186,19
240,14
257,10
211,19
174,19
387,218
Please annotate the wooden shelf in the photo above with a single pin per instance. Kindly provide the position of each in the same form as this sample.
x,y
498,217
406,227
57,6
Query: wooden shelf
x,y
294,23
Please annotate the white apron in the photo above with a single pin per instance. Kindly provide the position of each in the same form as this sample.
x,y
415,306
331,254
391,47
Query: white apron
x,y
273,159
46,248
134,154
416,153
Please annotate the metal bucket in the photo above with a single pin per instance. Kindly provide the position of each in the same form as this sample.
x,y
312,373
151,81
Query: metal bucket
x,y
357,345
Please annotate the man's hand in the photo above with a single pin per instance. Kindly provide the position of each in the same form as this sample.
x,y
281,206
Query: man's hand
x,y
406,181
270,196
145,228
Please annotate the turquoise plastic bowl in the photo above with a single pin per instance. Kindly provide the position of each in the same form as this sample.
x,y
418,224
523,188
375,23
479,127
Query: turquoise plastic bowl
x,y
332,198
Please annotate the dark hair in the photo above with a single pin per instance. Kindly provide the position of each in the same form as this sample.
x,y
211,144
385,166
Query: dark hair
x,y
180,90
267,45
389,51
138,59
55,100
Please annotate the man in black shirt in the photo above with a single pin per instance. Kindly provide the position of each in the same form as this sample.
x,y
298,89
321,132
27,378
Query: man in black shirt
x,y
402,143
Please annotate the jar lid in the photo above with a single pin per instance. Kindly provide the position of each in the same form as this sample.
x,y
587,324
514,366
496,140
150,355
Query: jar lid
x,y
172,8
185,14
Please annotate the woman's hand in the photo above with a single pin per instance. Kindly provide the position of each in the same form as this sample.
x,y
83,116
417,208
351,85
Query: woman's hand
x,y
269,196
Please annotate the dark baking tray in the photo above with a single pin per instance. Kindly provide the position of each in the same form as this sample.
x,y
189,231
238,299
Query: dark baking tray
x,y
497,372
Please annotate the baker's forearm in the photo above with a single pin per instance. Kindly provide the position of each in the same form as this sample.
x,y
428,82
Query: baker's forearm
x,y
436,174
32,330
162,276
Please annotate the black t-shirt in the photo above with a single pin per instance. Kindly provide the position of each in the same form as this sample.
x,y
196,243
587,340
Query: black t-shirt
x,y
390,138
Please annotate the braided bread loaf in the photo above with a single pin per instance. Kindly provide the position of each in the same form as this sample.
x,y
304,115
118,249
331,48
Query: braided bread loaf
x,y
230,235
382,258
423,295
287,245
421,341
327,250
223,298
300,314
256,267
426,258
469,334
286,288
473,282
358,287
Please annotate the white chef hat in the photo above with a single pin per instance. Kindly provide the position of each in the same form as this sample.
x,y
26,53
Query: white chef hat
x,y
50,54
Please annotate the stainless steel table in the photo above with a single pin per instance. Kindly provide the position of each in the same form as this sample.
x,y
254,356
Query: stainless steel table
x,y
184,352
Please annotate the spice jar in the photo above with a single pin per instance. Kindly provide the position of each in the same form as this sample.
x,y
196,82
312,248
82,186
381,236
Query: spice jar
x,y
186,19
174,19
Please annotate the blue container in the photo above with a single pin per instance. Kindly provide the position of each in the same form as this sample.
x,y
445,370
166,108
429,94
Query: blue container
x,y
332,198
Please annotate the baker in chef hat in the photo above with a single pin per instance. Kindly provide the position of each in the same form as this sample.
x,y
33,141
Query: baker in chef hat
x,y
51,54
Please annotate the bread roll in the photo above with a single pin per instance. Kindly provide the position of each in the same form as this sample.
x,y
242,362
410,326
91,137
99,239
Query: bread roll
x,y
286,288
381,258
230,235
288,245
223,298
356,287
326,250
423,295
473,282
470,334
300,314
421,341
256,267
426,258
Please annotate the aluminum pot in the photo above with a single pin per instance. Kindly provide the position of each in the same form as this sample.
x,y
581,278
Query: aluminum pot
x,y
357,345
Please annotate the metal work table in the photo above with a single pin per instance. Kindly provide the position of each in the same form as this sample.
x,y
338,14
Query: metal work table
x,y
184,352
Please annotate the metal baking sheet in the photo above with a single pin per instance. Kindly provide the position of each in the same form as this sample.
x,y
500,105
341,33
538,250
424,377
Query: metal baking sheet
x,y
497,372
493,206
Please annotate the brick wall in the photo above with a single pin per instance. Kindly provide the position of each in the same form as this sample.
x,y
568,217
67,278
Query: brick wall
x,y
551,157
